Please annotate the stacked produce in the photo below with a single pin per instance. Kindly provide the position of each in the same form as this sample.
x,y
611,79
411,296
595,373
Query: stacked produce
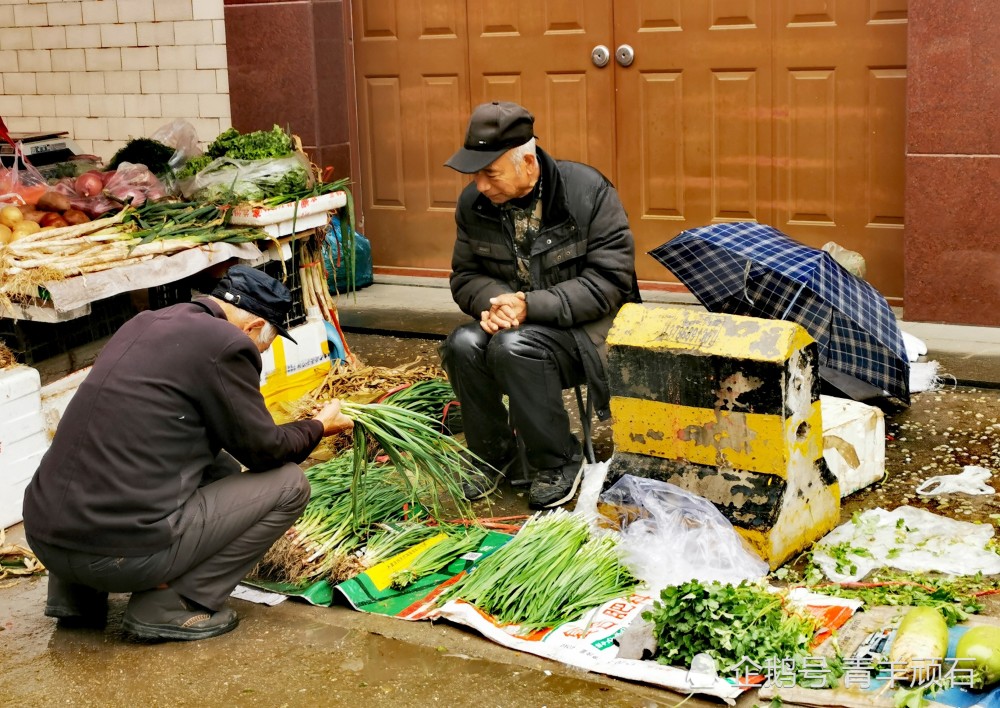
x,y
322,543
38,255
550,573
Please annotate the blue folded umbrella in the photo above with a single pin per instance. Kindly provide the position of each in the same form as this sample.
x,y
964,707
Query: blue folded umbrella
x,y
751,269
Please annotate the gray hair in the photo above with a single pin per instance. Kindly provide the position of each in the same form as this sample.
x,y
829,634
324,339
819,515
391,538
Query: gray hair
x,y
517,154
268,333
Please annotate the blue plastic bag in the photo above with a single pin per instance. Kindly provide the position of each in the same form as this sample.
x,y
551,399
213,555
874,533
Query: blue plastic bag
x,y
335,260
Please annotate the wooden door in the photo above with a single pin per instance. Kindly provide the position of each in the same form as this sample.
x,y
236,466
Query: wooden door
x,y
694,118
538,53
412,69
421,67
839,126
789,112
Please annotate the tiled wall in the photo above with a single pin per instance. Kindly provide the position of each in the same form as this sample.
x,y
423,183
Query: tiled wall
x,y
110,70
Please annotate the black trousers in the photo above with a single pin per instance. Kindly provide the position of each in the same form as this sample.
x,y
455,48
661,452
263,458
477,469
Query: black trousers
x,y
531,364
229,524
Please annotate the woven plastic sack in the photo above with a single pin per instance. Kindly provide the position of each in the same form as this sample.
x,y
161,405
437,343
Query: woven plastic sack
x,y
670,535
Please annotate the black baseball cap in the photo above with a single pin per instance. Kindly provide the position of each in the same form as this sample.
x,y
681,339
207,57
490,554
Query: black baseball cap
x,y
258,293
494,128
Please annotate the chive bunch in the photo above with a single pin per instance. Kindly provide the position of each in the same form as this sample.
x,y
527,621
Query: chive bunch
x,y
439,556
430,397
335,523
550,573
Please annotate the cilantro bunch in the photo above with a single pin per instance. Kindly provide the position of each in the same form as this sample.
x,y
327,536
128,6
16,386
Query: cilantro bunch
x,y
731,623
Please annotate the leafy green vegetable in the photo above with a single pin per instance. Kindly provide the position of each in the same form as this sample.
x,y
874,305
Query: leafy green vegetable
x,y
194,166
954,597
731,623
258,145
144,151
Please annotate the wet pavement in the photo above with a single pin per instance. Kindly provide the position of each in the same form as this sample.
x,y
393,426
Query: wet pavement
x,y
298,655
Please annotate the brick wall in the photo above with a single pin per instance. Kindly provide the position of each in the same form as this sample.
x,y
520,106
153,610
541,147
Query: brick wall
x,y
110,70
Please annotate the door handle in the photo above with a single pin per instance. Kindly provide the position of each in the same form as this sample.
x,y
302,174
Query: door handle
x,y
625,55
600,55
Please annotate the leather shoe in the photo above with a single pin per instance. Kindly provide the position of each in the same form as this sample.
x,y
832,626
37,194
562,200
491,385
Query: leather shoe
x,y
164,614
75,605
555,487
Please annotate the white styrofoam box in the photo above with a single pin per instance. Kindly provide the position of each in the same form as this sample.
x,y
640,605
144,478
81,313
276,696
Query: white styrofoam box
x,y
261,216
22,437
14,477
57,395
17,382
853,442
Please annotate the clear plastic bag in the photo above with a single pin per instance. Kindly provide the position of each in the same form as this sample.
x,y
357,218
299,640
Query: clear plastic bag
x,y
670,535
129,184
182,137
226,179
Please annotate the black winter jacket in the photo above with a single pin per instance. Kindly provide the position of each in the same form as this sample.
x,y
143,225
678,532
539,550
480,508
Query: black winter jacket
x,y
583,259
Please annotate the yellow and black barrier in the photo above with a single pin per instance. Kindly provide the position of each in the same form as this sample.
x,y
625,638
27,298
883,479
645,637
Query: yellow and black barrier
x,y
728,408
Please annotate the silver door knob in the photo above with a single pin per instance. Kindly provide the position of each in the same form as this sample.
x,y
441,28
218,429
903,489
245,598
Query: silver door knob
x,y
625,55
600,55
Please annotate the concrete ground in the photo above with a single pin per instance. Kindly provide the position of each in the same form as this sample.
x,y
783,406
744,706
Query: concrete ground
x,y
298,655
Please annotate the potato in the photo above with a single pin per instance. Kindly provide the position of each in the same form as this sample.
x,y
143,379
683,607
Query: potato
x,y
75,216
53,201
49,218
32,215
10,216
5,235
25,228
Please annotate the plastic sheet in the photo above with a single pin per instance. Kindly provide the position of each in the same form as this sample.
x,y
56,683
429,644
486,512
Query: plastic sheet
x,y
670,536
907,539
972,480
248,180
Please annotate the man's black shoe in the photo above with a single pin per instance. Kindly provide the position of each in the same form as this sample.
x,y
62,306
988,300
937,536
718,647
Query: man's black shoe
x,y
484,480
164,614
554,487
76,605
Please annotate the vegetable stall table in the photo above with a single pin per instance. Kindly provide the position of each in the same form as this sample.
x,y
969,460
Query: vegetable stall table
x,y
52,284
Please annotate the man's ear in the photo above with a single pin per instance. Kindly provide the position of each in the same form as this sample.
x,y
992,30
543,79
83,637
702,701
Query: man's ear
x,y
531,161
253,323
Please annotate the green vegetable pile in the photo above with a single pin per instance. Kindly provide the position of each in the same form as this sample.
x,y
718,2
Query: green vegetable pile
x,y
439,556
551,572
258,145
731,623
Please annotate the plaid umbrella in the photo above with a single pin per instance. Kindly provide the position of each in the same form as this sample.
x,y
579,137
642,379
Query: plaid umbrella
x,y
751,269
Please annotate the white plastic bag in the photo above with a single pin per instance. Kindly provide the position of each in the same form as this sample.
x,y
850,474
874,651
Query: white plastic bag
x,y
670,536
972,480
226,179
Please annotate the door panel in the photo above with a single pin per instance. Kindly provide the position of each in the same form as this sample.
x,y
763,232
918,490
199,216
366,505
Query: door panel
x,y
839,107
411,62
693,115
537,53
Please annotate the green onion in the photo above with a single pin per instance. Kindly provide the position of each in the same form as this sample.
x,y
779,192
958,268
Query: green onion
x,y
551,572
439,556
414,444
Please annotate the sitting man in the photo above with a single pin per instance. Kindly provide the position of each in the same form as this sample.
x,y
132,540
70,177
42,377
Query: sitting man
x,y
142,489
543,261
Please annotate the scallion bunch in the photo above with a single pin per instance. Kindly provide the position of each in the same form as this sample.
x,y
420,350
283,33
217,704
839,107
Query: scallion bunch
x,y
428,461
550,573
439,556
